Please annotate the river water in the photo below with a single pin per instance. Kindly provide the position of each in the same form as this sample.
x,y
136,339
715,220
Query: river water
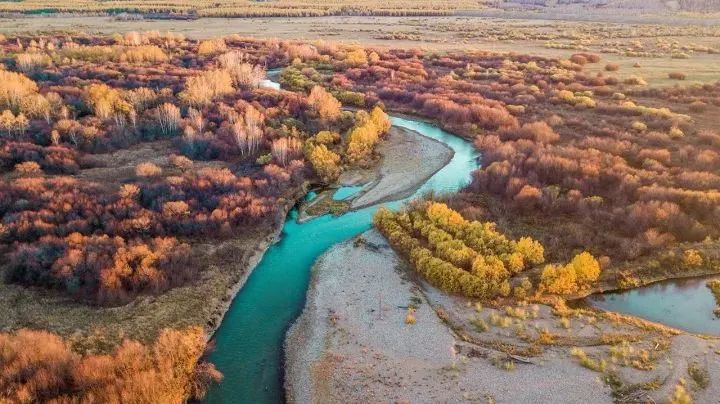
x,y
686,304
249,341
250,338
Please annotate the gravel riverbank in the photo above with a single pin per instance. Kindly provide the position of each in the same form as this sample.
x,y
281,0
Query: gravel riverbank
x,y
352,344
357,302
409,159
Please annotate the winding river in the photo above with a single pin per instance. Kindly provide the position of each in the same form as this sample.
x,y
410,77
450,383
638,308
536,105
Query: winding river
x,y
249,341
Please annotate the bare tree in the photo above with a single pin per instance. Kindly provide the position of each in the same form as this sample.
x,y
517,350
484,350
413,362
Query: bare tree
x,y
285,148
168,118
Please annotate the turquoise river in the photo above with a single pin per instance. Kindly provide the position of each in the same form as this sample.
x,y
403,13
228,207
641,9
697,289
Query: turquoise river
x,y
249,341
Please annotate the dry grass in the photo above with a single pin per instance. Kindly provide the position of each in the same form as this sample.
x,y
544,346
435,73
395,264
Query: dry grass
x,y
598,365
699,375
96,329
243,8
118,167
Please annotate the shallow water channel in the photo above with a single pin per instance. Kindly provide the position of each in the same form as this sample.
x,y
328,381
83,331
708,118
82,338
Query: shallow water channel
x,y
249,341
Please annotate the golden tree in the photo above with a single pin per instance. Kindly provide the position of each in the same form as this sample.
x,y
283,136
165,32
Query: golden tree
x,y
327,106
211,46
14,87
285,148
324,161
107,102
205,87
576,276
357,57
147,169
248,132
168,118
380,119
244,75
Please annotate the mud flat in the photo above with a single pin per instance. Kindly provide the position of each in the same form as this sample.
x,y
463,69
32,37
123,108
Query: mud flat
x,y
352,344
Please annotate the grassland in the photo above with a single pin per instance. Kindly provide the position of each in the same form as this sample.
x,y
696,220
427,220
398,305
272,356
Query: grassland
x,y
242,8
651,51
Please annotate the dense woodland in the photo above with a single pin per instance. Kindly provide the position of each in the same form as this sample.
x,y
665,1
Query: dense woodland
x,y
65,99
235,156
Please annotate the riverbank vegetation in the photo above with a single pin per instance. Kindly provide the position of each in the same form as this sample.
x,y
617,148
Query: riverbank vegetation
x,y
474,259
714,286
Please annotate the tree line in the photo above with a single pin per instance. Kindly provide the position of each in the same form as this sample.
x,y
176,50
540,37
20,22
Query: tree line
x,y
39,366
473,258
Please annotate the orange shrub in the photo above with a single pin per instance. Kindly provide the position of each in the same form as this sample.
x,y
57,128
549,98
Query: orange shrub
x,y
204,88
39,366
635,81
28,167
578,59
147,170
181,162
211,46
